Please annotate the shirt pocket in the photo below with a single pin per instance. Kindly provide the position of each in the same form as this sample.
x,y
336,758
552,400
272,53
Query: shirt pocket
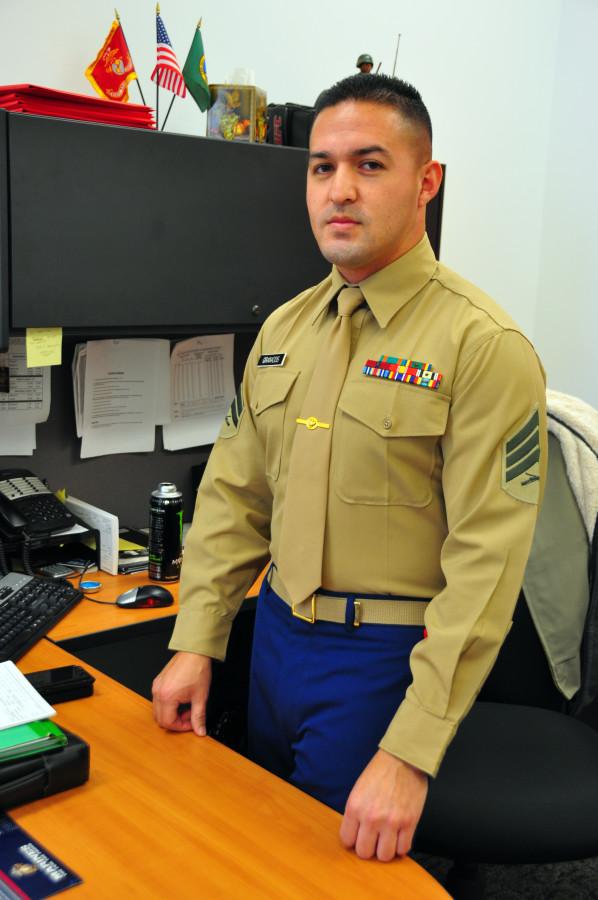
x,y
387,446
268,405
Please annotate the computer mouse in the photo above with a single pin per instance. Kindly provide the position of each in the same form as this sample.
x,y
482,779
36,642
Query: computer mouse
x,y
145,596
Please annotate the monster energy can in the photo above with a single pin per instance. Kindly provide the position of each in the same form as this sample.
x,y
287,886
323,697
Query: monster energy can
x,y
165,533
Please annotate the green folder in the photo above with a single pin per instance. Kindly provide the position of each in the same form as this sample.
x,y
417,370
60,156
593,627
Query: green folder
x,y
27,740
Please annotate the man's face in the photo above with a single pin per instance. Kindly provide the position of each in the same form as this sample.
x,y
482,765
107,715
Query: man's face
x,y
366,68
367,186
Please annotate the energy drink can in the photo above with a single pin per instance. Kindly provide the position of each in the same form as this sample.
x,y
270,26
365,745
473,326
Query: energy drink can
x,y
165,533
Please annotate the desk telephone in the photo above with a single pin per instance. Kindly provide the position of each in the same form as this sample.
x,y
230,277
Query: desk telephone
x,y
27,505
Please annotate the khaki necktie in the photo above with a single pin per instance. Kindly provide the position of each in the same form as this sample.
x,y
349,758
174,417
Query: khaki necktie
x,y
301,545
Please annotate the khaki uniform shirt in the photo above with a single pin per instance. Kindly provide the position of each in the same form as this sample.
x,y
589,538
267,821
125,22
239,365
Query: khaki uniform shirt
x,y
433,493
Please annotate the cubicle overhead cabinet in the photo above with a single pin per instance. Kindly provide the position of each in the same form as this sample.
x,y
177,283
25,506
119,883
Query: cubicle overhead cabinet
x,y
122,227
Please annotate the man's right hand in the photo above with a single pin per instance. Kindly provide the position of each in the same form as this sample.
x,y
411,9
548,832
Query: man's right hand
x,y
184,680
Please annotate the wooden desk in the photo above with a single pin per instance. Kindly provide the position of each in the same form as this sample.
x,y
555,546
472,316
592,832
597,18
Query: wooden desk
x,y
89,617
172,815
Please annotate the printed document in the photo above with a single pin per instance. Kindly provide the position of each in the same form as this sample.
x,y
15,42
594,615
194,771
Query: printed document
x,y
122,389
203,386
125,394
25,403
78,368
16,440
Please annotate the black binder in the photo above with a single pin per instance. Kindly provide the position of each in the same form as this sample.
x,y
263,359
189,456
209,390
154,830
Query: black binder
x,y
34,777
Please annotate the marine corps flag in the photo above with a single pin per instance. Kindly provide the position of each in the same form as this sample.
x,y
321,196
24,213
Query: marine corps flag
x,y
113,68
194,72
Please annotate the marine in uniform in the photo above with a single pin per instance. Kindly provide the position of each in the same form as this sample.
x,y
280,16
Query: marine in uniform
x,y
436,458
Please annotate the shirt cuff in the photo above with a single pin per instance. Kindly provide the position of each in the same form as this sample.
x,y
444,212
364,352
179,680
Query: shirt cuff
x,y
196,631
418,737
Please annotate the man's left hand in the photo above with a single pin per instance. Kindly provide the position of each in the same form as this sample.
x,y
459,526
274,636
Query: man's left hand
x,y
384,808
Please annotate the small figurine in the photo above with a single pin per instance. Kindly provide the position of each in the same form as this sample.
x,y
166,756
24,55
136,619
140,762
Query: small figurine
x,y
365,63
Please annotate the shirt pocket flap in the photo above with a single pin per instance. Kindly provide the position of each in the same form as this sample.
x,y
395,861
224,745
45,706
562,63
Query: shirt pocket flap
x,y
396,410
271,387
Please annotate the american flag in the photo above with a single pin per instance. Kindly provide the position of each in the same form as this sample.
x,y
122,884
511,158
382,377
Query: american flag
x,y
167,72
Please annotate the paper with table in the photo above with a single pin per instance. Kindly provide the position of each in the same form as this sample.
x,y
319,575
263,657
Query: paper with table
x,y
124,388
24,400
202,388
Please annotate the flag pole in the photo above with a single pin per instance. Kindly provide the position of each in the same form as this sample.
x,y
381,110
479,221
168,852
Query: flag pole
x,y
174,96
157,82
168,113
396,55
127,43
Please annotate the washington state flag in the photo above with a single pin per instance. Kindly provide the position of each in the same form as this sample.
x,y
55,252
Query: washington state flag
x,y
194,72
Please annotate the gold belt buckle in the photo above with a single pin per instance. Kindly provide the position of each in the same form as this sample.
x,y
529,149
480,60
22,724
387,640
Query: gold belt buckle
x,y
298,615
356,614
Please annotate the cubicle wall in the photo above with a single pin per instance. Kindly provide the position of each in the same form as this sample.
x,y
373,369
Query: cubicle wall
x,y
121,483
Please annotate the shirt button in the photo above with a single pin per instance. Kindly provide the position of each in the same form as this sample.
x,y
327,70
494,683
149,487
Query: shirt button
x,y
387,422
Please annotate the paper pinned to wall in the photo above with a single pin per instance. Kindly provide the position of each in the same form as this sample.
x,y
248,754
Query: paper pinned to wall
x,y
24,400
17,440
28,397
203,386
125,393
78,370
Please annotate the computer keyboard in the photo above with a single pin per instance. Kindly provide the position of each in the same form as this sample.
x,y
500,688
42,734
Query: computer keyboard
x,y
29,608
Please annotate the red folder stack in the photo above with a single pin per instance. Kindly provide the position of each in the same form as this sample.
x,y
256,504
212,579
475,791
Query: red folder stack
x,y
41,101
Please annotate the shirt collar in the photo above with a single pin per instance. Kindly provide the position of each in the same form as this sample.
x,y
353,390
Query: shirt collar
x,y
389,289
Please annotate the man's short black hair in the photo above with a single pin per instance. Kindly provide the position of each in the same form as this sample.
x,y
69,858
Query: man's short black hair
x,y
383,89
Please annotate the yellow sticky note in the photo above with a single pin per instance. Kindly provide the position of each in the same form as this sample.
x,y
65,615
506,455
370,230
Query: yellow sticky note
x,y
44,346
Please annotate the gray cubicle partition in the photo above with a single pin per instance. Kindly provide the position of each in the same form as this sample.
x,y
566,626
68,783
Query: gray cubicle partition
x,y
121,483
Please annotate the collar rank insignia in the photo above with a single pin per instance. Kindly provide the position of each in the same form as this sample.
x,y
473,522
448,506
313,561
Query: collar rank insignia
x,y
407,370
272,359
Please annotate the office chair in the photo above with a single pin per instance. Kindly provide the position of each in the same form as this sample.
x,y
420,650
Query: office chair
x,y
519,783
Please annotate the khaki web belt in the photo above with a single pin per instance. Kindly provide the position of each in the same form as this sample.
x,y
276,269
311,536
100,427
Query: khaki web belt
x,y
367,611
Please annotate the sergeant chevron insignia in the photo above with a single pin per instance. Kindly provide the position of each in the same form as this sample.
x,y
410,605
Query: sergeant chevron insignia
x,y
232,420
521,461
